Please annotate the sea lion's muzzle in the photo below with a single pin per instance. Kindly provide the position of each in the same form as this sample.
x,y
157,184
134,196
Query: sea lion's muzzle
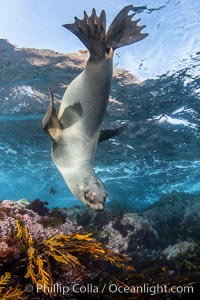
x,y
97,206
95,201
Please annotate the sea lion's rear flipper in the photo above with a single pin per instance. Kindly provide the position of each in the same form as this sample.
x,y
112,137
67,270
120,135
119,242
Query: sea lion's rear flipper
x,y
123,31
106,134
50,121
91,31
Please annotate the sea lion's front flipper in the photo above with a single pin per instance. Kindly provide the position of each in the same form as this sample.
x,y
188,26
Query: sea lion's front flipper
x,y
91,31
106,134
50,121
71,115
123,31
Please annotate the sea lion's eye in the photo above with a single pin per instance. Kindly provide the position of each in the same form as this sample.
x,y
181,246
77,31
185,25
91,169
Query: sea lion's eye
x,y
87,195
90,196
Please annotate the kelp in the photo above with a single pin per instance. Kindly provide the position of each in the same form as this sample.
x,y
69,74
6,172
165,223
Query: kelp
x,y
9,293
42,258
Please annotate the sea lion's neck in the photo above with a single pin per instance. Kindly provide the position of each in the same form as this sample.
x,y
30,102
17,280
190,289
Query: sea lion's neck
x,y
101,55
76,169
80,176
99,62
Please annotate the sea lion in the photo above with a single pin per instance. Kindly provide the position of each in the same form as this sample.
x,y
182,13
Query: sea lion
x,y
76,129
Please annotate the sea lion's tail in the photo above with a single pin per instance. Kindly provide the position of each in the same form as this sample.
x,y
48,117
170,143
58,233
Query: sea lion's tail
x,y
92,31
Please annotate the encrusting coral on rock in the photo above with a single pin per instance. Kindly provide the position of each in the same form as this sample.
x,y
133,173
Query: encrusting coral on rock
x,y
10,211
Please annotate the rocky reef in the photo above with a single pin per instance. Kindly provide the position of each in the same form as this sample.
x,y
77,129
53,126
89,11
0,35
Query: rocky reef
x,y
157,248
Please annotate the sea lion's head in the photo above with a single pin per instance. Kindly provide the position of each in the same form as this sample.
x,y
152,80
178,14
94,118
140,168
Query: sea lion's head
x,y
95,198
89,190
92,194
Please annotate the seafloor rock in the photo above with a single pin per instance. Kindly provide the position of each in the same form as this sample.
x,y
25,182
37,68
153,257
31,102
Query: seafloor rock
x,y
128,233
172,220
181,248
174,216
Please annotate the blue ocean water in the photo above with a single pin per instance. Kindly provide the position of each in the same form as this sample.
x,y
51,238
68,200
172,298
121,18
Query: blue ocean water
x,y
159,153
